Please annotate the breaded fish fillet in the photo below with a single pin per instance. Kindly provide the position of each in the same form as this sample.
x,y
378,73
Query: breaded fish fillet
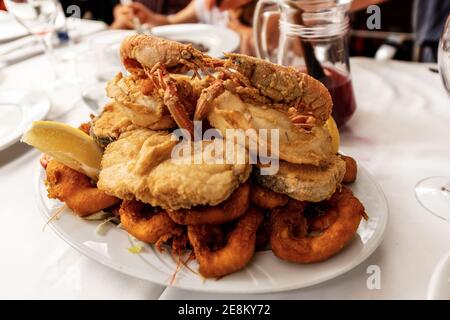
x,y
144,106
139,165
109,125
305,182
144,111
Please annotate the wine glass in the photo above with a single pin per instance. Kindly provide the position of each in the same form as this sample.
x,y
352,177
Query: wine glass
x,y
433,193
37,16
41,18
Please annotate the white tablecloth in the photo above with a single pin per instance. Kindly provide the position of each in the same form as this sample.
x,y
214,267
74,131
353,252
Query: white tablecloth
x,y
400,133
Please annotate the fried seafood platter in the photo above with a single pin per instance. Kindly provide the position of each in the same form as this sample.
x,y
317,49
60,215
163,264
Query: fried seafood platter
x,y
215,206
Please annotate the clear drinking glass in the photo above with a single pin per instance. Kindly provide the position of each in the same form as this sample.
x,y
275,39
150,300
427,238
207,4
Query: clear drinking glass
x,y
40,18
433,193
37,16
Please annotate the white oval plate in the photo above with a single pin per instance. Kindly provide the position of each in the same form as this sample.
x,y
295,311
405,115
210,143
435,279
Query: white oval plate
x,y
217,39
439,286
265,273
18,109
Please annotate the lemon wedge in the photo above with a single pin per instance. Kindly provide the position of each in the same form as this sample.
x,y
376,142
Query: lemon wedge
x,y
332,128
68,145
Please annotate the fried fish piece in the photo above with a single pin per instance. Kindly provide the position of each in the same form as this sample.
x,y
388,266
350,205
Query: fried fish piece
x,y
139,99
139,165
109,125
305,182
143,110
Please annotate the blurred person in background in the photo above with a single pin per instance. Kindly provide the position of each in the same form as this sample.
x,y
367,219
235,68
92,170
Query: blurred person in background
x,y
428,19
429,22
91,9
235,14
145,9
104,10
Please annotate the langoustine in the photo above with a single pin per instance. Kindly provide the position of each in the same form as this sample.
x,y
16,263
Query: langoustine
x,y
256,94
151,60
305,100
140,52
272,96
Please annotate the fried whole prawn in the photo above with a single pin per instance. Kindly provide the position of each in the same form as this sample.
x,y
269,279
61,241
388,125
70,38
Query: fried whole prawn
x,y
150,225
153,60
255,94
248,93
290,239
232,208
235,254
140,52
292,91
76,190
304,100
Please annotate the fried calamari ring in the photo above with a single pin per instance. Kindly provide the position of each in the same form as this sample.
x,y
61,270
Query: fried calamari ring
x,y
266,198
351,169
321,215
321,222
232,208
237,251
288,239
146,224
263,234
76,190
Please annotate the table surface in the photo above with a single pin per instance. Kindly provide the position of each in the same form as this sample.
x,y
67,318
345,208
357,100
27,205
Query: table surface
x,y
400,133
